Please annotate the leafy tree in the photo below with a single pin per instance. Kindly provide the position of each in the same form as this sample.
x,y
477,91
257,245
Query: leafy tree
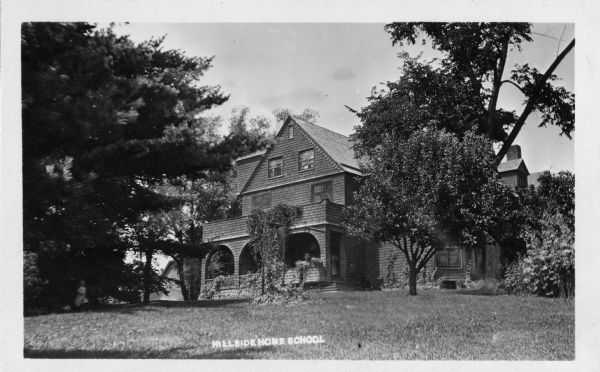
x,y
307,114
257,127
104,120
459,91
556,193
548,267
429,190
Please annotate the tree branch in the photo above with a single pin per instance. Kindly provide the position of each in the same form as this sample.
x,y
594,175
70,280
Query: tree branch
x,y
496,88
530,105
513,83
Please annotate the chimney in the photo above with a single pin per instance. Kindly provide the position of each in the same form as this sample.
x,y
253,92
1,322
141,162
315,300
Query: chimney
x,y
514,153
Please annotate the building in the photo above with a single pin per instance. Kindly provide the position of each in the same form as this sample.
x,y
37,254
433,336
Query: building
x,y
314,168
513,171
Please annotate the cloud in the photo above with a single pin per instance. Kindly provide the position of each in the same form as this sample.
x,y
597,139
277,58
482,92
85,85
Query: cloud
x,y
343,74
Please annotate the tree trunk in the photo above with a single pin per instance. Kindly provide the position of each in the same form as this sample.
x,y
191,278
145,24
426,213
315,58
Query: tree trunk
x,y
147,275
184,291
412,280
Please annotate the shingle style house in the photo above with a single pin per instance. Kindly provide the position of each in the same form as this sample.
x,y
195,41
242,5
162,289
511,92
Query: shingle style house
x,y
314,168
308,166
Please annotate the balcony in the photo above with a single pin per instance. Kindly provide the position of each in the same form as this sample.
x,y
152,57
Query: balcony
x,y
323,212
223,229
234,284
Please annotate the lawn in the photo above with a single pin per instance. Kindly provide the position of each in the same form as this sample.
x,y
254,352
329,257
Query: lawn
x,y
436,324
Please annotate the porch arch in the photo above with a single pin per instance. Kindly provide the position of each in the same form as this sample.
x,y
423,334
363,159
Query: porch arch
x,y
249,261
221,261
299,244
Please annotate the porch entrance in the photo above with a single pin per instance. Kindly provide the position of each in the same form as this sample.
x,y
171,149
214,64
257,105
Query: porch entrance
x,y
298,246
337,256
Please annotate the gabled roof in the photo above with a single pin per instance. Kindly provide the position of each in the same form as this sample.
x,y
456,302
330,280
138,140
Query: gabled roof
x,y
336,145
512,165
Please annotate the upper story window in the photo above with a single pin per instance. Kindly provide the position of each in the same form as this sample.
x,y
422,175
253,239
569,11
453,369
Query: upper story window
x,y
291,132
449,257
322,191
275,167
261,201
306,159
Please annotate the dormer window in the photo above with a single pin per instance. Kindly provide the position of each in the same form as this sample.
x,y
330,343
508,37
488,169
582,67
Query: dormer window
x,y
306,160
275,167
291,132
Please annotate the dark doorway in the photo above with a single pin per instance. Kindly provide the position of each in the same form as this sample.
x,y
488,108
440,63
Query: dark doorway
x,y
335,257
220,262
298,245
249,260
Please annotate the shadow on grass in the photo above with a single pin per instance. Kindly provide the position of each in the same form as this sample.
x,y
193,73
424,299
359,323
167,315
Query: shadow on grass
x,y
151,306
482,292
172,353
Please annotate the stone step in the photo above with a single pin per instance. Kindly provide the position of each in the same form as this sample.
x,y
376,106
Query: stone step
x,y
337,286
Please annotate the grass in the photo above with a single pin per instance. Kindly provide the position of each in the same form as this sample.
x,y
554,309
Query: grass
x,y
436,324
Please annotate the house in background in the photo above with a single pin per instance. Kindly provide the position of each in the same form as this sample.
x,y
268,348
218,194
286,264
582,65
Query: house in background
x,y
314,168
174,291
513,171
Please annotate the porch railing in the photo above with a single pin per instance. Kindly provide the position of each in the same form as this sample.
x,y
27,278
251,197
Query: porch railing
x,y
292,276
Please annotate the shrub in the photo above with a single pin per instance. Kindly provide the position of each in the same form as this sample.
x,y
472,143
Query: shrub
x,y
32,283
548,268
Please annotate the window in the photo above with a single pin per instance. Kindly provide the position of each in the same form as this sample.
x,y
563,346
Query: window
x,y
261,201
306,160
275,167
322,191
449,257
291,132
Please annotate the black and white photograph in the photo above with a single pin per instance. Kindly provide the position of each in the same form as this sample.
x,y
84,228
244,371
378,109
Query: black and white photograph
x,y
386,189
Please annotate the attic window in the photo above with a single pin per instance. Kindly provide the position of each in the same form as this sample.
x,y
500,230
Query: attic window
x,y
275,167
306,160
291,132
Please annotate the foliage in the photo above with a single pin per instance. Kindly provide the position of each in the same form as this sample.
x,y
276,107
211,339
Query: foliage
x,y
556,195
426,190
104,120
220,264
548,268
268,232
211,289
459,90
257,127
307,114
32,283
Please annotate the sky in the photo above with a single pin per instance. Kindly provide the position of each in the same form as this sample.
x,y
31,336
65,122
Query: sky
x,y
325,66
